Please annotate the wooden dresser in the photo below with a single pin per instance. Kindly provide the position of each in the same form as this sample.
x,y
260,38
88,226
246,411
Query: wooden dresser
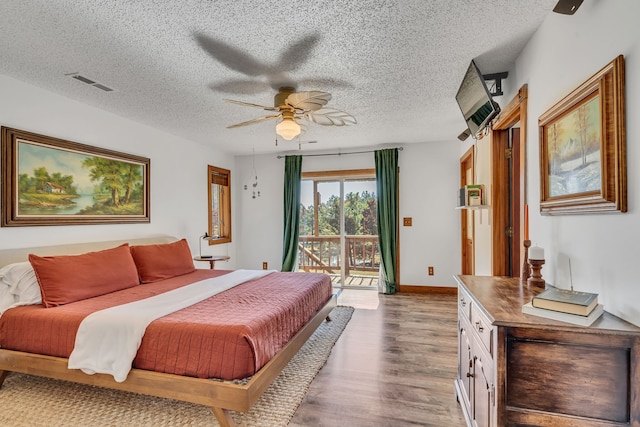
x,y
516,369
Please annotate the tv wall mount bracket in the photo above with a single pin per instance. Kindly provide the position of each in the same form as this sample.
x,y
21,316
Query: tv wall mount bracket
x,y
495,89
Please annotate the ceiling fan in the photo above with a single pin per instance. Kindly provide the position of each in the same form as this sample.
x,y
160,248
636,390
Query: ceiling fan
x,y
296,109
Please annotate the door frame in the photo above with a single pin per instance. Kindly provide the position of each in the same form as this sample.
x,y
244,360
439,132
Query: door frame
x,y
515,112
339,176
467,158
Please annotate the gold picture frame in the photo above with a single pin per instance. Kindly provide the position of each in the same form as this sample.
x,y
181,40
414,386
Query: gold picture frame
x,y
50,181
583,147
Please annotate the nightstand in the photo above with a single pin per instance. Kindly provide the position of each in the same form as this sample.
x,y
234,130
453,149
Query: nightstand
x,y
212,259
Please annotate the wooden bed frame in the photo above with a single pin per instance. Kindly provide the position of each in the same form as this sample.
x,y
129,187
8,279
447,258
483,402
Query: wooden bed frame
x,y
221,396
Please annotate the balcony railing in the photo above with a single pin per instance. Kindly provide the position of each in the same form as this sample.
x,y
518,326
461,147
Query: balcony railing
x,y
322,254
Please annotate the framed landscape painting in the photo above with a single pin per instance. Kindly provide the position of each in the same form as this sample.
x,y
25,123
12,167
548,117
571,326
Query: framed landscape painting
x,y
583,147
49,181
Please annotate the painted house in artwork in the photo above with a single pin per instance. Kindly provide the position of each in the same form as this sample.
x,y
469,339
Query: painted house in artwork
x,y
52,188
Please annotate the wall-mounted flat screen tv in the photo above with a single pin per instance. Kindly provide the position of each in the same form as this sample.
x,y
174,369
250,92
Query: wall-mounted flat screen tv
x,y
474,100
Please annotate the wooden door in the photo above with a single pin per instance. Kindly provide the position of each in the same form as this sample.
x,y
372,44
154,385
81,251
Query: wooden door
x,y
515,203
506,202
467,177
508,186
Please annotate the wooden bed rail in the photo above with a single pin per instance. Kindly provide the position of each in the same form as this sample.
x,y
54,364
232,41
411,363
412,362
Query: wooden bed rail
x,y
221,396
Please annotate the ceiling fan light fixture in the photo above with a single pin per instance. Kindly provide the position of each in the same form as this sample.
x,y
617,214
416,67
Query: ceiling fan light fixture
x,y
295,110
288,129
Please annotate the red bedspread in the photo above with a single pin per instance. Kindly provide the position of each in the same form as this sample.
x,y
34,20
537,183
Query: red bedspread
x,y
229,336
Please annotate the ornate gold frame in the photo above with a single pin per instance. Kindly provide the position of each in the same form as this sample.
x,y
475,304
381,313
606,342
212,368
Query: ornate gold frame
x,y
14,140
607,86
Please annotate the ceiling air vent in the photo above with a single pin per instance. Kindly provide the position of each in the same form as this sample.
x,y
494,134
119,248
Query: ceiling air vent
x,y
88,81
103,87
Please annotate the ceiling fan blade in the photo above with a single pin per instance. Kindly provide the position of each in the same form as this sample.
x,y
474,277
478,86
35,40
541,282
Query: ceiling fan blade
x,y
308,101
249,104
302,122
250,122
331,117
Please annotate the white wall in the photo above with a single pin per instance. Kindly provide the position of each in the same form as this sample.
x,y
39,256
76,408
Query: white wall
x,y
258,233
178,168
428,185
603,248
482,244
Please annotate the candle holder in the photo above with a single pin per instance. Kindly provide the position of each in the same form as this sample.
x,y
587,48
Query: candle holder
x,y
536,275
526,270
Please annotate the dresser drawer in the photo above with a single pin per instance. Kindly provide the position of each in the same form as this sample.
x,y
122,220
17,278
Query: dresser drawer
x,y
464,304
483,328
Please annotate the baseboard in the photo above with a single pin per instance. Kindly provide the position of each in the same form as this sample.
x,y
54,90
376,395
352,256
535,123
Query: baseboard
x,y
413,289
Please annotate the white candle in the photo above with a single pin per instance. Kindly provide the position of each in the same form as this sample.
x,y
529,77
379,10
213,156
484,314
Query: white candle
x,y
536,252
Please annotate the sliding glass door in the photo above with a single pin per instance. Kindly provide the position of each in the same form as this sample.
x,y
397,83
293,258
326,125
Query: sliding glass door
x,y
338,231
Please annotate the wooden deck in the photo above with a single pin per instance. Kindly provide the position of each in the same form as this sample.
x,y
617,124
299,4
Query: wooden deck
x,y
323,253
356,281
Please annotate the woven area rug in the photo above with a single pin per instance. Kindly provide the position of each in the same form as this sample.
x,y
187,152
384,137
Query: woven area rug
x,y
38,402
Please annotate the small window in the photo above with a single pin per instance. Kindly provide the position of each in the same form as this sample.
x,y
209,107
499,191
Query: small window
x,y
219,205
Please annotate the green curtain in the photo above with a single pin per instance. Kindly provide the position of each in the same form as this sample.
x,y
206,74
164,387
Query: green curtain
x,y
387,192
292,175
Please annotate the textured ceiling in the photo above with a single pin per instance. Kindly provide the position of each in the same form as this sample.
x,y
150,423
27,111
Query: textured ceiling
x,y
394,65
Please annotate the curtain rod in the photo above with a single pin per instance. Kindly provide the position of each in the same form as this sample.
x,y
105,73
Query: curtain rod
x,y
337,154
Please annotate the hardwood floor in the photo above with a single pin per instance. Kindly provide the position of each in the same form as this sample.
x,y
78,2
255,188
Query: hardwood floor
x,y
392,366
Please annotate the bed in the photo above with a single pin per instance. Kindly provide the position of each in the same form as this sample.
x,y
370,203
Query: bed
x,y
201,383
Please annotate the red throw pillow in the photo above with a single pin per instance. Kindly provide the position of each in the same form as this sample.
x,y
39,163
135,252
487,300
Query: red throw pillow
x,y
68,278
162,261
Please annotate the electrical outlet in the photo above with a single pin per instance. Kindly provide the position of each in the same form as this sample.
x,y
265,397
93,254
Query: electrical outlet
x,y
430,271
265,266
407,221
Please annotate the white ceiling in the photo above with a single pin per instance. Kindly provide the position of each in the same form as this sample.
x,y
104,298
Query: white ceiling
x,y
394,65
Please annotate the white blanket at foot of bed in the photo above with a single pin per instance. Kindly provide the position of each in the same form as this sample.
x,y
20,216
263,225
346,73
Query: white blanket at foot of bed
x,y
107,341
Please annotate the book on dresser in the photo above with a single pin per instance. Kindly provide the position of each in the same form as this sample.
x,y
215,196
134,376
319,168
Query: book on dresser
x,y
566,301
575,319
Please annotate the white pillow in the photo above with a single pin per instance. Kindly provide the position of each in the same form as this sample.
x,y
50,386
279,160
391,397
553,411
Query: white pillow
x,y
6,299
18,286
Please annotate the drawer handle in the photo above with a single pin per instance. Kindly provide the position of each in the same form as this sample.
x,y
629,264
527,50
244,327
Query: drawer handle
x,y
469,375
479,326
463,302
